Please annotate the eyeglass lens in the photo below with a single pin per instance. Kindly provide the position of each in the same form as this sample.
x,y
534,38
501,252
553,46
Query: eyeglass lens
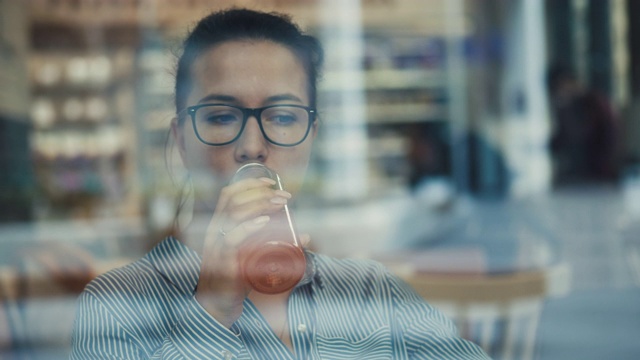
x,y
218,124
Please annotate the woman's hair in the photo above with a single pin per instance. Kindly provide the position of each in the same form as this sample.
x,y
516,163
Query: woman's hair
x,y
244,24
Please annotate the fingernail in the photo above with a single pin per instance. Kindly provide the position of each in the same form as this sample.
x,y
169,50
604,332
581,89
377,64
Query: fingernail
x,y
278,200
261,220
284,194
268,181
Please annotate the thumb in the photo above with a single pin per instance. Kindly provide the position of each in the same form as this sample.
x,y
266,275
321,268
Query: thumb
x,y
304,239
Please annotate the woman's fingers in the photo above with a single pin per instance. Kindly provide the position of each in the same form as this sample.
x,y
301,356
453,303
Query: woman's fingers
x,y
249,199
246,196
229,192
244,185
235,237
262,203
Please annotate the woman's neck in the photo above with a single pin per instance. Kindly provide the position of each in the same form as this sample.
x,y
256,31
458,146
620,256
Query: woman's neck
x,y
274,310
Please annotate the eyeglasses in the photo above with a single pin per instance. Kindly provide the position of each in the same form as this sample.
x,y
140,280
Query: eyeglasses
x,y
283,125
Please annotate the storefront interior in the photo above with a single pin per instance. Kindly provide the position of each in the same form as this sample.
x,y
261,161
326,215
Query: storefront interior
x,y
440,153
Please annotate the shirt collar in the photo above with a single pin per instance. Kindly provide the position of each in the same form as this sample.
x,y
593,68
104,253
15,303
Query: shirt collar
x,y
177,263
312,274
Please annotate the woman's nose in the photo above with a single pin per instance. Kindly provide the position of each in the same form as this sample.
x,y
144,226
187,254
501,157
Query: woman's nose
x,y
251,145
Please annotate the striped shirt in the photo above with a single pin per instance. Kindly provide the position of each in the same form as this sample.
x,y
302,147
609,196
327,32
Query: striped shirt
x,y
351,309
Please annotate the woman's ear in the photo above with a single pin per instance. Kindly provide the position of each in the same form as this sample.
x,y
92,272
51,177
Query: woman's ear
x,y
178,136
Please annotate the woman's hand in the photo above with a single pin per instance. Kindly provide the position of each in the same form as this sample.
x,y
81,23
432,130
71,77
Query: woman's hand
x,y
243,209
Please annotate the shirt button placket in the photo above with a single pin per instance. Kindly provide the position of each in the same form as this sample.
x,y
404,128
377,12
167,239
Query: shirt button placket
x,y
302,328
227,355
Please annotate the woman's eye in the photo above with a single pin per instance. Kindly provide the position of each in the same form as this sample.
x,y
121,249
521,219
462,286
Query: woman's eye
x,y
282,119
221,119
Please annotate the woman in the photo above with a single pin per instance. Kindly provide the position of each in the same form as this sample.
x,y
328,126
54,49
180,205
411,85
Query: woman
x,y
186,299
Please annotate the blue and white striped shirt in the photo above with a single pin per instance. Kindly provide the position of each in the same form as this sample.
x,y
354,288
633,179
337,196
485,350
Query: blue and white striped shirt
x,y
351,309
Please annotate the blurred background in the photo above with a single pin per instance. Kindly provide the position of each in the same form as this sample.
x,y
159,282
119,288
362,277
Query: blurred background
x,y
487,151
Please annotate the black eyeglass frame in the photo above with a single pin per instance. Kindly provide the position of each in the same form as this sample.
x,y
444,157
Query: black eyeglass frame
x,y
246,113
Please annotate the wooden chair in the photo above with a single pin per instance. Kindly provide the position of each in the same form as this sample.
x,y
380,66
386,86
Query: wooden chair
x,y
499,312
38,299
9,315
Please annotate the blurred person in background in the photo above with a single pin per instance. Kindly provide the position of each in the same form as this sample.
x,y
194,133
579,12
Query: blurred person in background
x,y
585,139
443,228
437,210
252,77
434,209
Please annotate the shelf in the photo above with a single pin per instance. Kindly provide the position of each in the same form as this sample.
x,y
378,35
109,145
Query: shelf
x,y
81,70
83,125
63,91
75,144
71,112
400,80
405,113
390,114
383,79
387,146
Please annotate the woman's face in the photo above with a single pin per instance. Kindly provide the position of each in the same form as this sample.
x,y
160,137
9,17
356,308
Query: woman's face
x,y
248,74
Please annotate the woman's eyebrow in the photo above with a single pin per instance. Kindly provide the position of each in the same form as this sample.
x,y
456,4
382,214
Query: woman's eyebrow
x,y
234,100
218,97
283,97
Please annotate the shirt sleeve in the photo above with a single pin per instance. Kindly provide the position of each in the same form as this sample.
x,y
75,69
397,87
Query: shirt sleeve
x,y
427,333
98,334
